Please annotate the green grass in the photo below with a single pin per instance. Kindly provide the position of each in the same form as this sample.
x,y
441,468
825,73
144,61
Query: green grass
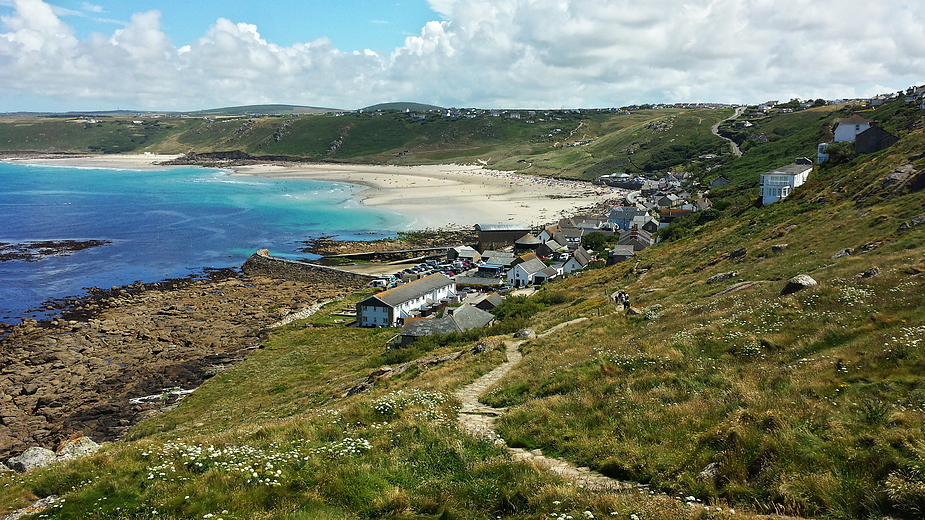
x,y
808,404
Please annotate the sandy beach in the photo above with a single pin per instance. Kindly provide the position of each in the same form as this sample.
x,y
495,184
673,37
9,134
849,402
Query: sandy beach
x,y
145,161
441,196
436,196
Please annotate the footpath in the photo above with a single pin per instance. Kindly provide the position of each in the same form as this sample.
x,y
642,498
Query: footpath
x,y
479,420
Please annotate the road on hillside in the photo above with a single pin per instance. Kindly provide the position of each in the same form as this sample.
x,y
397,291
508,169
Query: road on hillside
x,y
715,130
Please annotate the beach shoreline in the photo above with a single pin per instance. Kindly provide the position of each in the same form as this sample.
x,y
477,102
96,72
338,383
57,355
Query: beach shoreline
x,y
429,197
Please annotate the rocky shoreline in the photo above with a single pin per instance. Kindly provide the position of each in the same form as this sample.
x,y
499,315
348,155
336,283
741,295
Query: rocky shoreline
x,y
84,372
36,250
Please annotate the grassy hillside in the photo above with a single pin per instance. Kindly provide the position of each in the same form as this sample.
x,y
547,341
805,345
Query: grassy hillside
x,y
560,143
566,143
807,404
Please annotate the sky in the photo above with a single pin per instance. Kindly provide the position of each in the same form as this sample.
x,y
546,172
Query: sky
x,y
74,55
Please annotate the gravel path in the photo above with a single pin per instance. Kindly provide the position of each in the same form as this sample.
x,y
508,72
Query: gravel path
x,y
479,420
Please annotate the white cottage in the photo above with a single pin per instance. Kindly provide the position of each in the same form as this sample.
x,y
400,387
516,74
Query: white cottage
x,y
390,308
523,273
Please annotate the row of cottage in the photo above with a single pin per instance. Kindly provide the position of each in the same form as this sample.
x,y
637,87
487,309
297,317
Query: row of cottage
x,y
505,253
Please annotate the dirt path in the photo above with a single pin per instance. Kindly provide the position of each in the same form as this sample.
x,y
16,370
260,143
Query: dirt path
x,y
715,129
479,420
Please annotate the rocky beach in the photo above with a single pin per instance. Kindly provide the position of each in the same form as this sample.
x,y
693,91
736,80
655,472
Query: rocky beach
x,y
87,372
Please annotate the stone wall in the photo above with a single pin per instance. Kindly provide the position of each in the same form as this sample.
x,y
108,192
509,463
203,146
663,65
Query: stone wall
x,y
262,264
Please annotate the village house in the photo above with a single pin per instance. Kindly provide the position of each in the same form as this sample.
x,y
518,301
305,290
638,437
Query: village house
x,y
622,216
579,260
780,182
847,129
486,302
620,254
637,238
464,253
873,140
549,248
719,182
456,319
523,273
390,308
646,222
527,244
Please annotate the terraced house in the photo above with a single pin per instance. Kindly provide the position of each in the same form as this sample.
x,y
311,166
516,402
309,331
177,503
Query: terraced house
x,y
391,308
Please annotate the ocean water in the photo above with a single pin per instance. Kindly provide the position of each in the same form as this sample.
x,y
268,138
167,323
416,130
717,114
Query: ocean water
x,y
162,224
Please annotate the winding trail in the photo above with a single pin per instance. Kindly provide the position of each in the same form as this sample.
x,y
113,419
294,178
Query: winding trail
x,y
715,129
478,419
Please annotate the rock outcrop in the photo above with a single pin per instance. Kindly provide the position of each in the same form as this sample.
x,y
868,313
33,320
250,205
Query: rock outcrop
x,y
798,283
75,375
722,277
33,458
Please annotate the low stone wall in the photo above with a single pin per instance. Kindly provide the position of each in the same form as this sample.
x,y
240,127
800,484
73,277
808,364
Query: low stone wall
x,y
262,264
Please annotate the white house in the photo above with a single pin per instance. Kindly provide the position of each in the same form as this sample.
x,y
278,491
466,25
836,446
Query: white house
x,y
847,129
390,308
579,260
523,273
780,182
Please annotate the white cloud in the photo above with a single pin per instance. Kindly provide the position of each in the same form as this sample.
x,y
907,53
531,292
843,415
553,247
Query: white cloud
x,y
505,53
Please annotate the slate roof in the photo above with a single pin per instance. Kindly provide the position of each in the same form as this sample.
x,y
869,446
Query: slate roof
x,y
550,272
533,265
502,227
419,327
468,317
462,319
582,256
409,291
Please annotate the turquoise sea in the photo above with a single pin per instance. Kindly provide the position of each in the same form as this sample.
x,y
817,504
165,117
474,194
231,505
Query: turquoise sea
x,y
166,223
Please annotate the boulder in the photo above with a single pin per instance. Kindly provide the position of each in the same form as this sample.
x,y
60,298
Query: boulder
x,y
870,273
32,458
842,252
898,176
916,221
777,248
798,283
738,252
525,334
710,473
486,345
722,277
78,447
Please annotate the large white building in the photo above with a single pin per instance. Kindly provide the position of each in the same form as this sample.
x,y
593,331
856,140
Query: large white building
x,y
780,182
391,308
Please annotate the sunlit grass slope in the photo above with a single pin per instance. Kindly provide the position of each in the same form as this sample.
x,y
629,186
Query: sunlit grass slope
x,y
273,438
811,403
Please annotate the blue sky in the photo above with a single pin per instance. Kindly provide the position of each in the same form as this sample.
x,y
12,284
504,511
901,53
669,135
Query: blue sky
x,y
349,24
61,55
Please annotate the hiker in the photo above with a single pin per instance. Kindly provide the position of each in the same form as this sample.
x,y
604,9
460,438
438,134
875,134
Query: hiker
x,y
626,301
